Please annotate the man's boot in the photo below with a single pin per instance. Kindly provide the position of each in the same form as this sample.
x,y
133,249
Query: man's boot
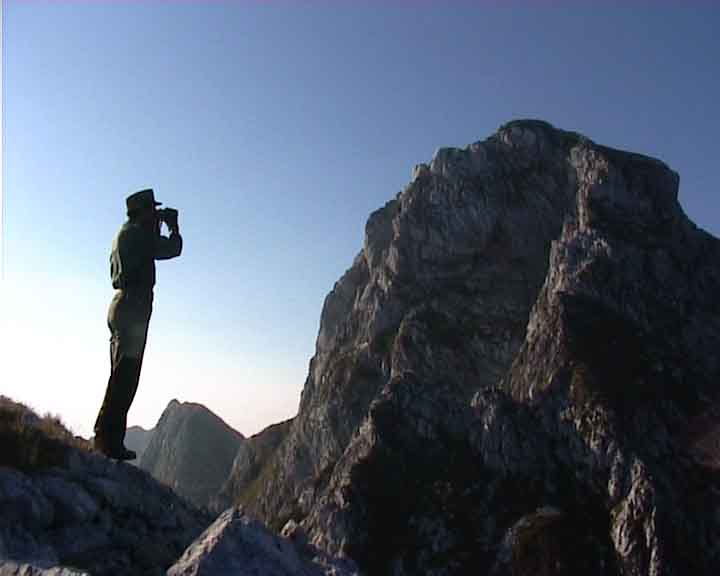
x,y
124,454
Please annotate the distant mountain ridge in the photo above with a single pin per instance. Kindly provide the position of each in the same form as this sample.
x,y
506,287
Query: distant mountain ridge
x,y
192,451
137,439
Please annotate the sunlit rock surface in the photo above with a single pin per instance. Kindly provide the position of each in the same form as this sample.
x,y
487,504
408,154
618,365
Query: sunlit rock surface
x,y
236,545
192,451
532,325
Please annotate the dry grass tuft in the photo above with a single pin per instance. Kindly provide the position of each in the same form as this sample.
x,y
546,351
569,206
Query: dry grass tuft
x,y
30,442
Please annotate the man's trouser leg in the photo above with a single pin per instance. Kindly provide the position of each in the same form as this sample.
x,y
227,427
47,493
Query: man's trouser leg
x,y
129,372
128,324
112,419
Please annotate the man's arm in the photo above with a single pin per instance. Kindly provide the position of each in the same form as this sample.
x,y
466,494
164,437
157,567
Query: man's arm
x,y
169,247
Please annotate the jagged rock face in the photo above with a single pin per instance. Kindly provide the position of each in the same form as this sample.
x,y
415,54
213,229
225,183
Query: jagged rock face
x,y
93,514
532,325
137,439
192,451
619,361
445,250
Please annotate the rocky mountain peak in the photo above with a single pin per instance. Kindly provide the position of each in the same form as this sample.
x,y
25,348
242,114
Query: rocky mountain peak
x,y
137,439
525,339
191,450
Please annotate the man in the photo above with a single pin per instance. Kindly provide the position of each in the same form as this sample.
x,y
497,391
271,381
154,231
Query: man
x,y
132,269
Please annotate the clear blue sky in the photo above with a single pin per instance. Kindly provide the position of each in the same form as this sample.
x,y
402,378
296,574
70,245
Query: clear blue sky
x,y
276,128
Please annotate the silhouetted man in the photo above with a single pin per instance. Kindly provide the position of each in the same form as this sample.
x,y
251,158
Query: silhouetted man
x,y
132,269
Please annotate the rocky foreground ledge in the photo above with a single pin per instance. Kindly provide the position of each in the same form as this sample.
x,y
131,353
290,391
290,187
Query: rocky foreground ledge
x,y
94,515
81,513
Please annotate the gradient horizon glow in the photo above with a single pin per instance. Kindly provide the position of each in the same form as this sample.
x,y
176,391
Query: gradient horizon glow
x,y
276,128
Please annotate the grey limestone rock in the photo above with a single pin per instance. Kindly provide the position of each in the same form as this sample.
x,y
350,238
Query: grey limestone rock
x,y
531,325
192,451
92,515
237,545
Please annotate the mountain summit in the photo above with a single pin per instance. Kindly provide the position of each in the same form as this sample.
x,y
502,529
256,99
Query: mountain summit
x,y
514,376
191,450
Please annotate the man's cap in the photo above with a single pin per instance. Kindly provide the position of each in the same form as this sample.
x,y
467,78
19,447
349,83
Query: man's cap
x,y
141,200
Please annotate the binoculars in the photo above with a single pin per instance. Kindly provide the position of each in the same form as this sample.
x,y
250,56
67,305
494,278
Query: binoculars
x,y
167,215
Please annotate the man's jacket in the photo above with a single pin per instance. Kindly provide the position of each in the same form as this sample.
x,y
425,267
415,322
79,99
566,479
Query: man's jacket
x,y
134,251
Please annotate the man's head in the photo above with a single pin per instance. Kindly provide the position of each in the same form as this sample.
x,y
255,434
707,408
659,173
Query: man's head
x,y
141,205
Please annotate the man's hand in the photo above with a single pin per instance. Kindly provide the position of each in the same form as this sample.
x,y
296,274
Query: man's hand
x,y
173,225
170,217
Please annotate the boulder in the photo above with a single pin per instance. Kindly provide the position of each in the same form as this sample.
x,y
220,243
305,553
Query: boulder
x,y
236,545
